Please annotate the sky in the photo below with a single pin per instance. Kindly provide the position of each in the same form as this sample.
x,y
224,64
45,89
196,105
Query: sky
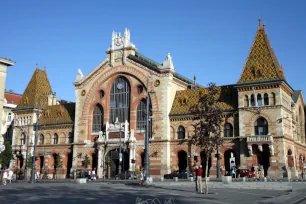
x,y
209,39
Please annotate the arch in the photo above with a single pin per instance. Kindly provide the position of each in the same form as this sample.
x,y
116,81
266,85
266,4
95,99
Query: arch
x,y
97,119
120,100
181,132
228,130
172,133
246,101
259,100
141,115
182,160
105,76
253,100
273,99
55,138
261,126
41,139
266,99
229,162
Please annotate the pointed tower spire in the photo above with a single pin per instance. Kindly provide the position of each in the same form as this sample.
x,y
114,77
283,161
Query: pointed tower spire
x,y
36,66
261,63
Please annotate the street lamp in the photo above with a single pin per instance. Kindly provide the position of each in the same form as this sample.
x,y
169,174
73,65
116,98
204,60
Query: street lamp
x,y
120,154
218,161
147,161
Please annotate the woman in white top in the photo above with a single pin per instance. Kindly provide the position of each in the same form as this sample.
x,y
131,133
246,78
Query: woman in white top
x,y
93,177
4,177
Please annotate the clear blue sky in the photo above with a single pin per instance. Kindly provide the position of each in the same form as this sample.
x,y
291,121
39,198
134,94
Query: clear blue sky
x,y
208,38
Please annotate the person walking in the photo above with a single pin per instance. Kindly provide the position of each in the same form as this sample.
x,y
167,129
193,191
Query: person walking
x,y
141,181
10,175
4,177
93,173
199,178
89,175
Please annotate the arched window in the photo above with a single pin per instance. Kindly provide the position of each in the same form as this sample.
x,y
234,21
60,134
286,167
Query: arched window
x,y
252,100
228,130
70,137
261,126
41,139
273,99
141,115
259,100
97,119
22,139
181,133
120,100
266,99
9,117
246,101
55,139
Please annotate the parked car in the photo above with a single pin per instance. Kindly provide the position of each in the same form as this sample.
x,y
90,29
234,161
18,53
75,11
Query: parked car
x,y
246,172
125,175
178,174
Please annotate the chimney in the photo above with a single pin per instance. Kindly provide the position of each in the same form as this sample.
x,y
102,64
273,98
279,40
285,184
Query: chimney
x,y
50,96
54,100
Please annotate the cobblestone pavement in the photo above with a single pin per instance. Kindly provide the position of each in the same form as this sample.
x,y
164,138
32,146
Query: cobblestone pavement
x,y
108,192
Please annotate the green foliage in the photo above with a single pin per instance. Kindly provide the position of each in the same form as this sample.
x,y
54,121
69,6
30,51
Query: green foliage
x,y
30,161
6,156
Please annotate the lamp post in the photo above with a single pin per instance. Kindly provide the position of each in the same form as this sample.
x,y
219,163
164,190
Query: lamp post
x,y
218,161
147,151
120,154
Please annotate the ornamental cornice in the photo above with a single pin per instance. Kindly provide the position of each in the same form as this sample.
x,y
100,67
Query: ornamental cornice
x,y
258,87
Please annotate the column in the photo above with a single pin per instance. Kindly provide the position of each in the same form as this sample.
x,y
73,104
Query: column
x,y
101,151
132,157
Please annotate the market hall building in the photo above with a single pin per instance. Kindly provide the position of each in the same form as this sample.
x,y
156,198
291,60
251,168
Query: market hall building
x,y
263,116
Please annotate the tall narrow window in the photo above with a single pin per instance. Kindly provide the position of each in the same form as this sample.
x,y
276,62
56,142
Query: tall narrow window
x,y
55,139
9,117
261,126
120,100
252,100
97,119
266,99
141,115
41,139
22,139
228,130
259,100
181,133
70,137
246,101
273,99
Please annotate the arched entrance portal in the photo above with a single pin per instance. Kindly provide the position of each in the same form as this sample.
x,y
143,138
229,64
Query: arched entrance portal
x,y
263,157
227,155
203,163
112,162
182,160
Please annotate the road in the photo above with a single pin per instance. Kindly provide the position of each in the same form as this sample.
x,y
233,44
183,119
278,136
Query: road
x,y
110,193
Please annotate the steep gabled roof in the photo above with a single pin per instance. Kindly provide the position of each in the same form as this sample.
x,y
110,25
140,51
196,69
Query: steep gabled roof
x,y
261,63
185,99
38,86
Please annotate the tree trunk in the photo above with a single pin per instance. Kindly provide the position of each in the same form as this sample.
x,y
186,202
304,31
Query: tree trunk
x,y
206,179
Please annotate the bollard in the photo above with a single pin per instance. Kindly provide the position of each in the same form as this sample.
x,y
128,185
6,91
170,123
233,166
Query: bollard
x,y
161,178
191,179
265,179
175,178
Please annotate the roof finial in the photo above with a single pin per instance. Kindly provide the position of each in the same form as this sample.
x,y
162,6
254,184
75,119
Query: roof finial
x,y
261,25
194,81
45,68
36,66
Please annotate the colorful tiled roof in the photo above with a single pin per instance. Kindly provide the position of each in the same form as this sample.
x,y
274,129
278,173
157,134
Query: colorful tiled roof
x,y
185,99
261,63
58,114
38,86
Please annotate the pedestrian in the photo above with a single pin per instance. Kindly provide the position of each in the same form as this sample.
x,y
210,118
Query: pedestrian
x,y
4,177
260,170
141,179
89,175
93,177
199,178
10,175
233,172
38,175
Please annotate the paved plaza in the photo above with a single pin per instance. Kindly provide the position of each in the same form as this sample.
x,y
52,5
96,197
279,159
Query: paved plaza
x,y
118,192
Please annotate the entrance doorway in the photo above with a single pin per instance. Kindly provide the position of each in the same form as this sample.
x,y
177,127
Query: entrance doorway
x,y
227,155
69,165
263,158
203,163
182,160
112,162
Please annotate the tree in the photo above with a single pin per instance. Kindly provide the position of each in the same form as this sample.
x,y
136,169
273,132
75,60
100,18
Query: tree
x,y
207,116
6,156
